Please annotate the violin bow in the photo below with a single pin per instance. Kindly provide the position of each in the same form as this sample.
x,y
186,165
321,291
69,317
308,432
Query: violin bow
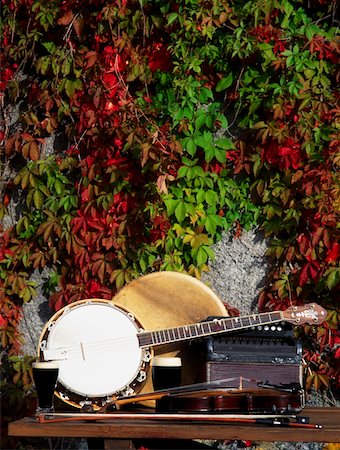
x,y
225,418
188,388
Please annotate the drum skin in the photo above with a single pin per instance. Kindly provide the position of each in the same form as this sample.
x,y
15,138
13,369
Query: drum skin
x,y
169,299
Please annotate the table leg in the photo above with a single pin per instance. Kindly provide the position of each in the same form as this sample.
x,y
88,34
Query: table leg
x,y
118,444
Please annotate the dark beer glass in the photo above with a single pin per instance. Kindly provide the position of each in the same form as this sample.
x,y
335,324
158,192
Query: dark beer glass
x,y
45,376
166,373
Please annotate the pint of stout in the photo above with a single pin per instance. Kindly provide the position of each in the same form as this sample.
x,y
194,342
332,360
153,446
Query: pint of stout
x,y
166,373
45,376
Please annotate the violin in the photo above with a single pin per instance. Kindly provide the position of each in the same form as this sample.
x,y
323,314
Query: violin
x,y
260,400
219,400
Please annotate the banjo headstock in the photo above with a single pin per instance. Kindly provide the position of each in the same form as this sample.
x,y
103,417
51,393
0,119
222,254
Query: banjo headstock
x,y
312,313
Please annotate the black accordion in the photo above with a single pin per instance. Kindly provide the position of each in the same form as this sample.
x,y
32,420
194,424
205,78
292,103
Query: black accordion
x,y
264,356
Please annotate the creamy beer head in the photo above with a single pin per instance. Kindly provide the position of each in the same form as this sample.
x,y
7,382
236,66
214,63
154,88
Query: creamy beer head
x,y
163,361
45,365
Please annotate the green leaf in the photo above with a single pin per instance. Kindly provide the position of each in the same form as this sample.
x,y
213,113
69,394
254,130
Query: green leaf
x,y
211,224
200,120
191,147
172,17
38,198
200,141
55,66
70,88
333,278
225,143
211,197
171,205
205,94
201,256
198,171
257,166
58,186
209,251
290,61
182,171
208,137
311,30
50,46
224,83
220,155
66,67
120,279
180,211
43,64
200,196
209,121
288,8
209,152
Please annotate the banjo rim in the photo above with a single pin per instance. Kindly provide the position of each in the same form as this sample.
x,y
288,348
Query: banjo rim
x,y
73,398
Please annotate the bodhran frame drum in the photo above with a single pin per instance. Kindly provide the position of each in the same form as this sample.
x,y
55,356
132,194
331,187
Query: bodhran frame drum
x,y
95,341
170,299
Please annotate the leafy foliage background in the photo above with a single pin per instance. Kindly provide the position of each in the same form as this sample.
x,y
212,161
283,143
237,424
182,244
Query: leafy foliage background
x,y
172,122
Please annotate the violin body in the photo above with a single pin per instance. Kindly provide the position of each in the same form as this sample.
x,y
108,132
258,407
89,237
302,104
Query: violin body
x,y
252,401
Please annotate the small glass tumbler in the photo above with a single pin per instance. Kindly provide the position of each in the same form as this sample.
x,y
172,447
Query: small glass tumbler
x,y
45,376
166,374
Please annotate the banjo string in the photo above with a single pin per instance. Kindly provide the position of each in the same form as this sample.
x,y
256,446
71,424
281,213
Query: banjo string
x,y
100,344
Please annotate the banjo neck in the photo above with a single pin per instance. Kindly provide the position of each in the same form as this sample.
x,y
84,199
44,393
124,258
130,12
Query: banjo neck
x,y
298,315
207,328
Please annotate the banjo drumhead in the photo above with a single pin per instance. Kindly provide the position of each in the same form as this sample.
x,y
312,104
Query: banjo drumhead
x,y
96,346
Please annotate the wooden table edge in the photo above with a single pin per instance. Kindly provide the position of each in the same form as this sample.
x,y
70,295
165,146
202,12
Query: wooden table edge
x,y
329,418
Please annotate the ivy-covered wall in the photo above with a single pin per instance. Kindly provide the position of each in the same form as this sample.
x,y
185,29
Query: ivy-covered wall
x,y
172,122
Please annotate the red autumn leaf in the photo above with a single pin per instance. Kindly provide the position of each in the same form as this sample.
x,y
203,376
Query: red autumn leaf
x,y
66,19
108,242
317,236
27,137
159,58
309,271
56,301
82,260
91,59
34,151
304,243
78,26
98,269
333,253
326,238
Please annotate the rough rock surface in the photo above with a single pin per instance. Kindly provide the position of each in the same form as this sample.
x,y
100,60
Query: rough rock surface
x,y
35,316
239,270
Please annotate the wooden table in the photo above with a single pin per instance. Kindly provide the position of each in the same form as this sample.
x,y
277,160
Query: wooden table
x,y
120,433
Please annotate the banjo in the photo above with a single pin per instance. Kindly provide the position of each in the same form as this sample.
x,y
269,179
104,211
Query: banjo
x,y
103,351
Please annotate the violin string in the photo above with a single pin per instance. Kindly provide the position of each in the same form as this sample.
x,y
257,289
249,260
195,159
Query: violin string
x,y
188,387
